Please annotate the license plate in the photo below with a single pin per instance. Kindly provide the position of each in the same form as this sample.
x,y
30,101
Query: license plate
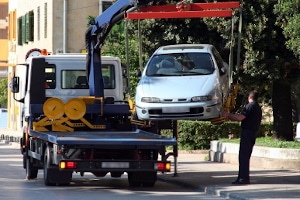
x,y
115,164
175,109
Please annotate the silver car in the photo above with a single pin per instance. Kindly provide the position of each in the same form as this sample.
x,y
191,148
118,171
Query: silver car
x,y
184,81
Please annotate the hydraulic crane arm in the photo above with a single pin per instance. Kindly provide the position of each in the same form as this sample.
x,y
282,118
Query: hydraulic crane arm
x,y
95,37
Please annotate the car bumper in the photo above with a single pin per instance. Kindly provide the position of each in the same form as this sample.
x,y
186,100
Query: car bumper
x,y
201,111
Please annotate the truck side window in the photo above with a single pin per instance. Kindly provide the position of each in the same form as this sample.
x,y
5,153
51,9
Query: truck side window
x,y
108,74
74,79
50,77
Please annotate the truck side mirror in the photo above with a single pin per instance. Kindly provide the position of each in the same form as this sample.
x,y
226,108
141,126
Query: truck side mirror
x,y
138,73
223,71
124,70
15,84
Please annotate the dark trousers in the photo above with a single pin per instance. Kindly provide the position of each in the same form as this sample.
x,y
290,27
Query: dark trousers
x,y
247,142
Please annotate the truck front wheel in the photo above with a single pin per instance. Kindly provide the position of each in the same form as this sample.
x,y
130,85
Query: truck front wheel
x,y
31,171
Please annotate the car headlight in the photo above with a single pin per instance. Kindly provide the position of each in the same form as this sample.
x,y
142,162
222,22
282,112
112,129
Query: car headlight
x,y
150,100
201,98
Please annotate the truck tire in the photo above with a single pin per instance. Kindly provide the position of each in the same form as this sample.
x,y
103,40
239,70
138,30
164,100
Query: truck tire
x,y
116,174
52,174
47,164
31,171
132,180
145,179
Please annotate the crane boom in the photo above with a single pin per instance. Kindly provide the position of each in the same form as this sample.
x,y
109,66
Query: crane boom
x,y
95,37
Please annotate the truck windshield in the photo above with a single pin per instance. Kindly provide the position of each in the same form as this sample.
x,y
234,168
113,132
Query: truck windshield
x,y
76,79
179,64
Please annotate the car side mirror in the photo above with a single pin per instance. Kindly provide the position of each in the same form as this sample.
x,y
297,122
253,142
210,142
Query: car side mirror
x,y
15,84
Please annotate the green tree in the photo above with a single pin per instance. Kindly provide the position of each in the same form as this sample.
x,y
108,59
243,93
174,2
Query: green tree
x,y
267,62
288,18
115,45
3,92
159,32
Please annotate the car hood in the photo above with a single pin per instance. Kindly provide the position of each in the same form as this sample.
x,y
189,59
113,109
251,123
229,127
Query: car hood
x,y
177,86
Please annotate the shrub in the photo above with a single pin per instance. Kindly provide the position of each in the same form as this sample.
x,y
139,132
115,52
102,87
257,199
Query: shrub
x,y
196,135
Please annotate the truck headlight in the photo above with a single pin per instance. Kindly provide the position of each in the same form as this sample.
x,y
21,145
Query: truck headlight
x,y
201,98
150,100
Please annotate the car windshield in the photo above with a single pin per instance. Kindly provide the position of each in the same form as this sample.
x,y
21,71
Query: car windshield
x,y
179,64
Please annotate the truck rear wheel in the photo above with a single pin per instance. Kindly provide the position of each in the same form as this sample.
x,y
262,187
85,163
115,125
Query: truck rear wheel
x,y
145,179
52,175
47,159
116,174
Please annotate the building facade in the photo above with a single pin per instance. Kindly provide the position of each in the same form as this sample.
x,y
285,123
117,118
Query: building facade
x,y
3,38
55,25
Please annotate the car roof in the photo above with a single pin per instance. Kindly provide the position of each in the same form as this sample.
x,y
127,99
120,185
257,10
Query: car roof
x,y
181,48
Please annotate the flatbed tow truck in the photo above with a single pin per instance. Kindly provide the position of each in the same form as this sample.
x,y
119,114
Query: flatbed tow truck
x,y
90,128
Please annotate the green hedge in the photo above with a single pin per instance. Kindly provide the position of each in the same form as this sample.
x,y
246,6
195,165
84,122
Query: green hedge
x,y
196,135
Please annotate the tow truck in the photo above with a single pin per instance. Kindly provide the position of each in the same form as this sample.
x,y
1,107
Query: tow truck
x,y
88,131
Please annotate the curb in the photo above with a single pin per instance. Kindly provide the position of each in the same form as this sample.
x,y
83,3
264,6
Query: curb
x,y
263,157
9,138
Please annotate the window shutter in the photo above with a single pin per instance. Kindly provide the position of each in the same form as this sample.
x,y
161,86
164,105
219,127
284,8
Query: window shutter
x,y
20,31
31,26
26,27
23,21
14,24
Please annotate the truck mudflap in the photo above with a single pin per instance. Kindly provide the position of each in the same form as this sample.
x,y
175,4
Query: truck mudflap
x,y
120,165
105,138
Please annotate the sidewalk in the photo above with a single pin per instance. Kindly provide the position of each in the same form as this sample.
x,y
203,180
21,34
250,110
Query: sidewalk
x,y
215,178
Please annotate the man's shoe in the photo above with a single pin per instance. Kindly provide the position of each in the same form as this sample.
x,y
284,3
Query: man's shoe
x,y
241,182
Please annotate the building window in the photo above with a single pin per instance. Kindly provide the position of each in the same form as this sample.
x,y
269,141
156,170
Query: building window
x,y
38,23
45,20
3,21
104,5
26,28
12,25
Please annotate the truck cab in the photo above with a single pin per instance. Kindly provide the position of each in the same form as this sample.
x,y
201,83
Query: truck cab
x,y
64,77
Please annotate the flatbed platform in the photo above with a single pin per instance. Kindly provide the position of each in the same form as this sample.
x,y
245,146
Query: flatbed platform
x,y
123,138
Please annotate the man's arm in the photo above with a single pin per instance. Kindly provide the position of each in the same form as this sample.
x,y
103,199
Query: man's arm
x,y
234,116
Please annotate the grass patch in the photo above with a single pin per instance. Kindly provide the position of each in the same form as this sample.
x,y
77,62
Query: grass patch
x,y
268,142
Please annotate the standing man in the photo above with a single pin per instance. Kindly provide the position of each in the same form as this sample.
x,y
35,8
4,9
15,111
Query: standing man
x,y
250,118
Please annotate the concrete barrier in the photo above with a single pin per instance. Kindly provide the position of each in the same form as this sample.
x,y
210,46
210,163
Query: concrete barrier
x,y
265,157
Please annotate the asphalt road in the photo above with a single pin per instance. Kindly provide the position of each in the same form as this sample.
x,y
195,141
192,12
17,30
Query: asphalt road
x,y
15,186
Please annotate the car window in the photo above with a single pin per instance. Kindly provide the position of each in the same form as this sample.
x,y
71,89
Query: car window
x,y
178,64
218,57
